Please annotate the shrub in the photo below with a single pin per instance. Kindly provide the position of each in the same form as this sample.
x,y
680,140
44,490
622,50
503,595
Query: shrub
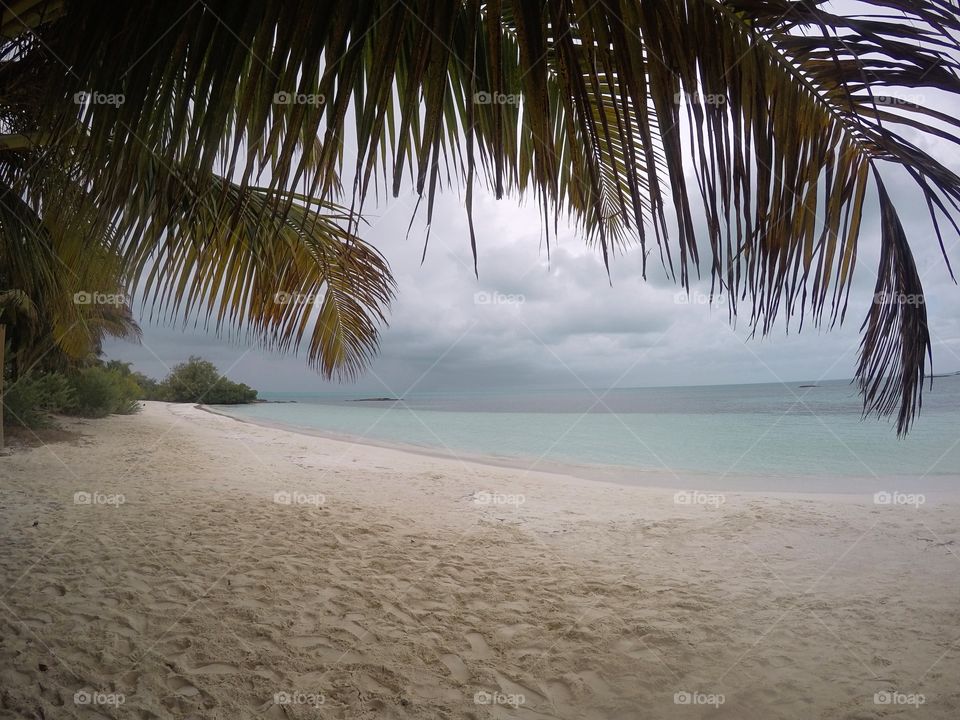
x,y
130,394
91,392
197,380
190,381
30,400
150,389
98,392
115,388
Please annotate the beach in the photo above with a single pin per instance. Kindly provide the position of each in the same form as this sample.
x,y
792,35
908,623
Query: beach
x,y
178,563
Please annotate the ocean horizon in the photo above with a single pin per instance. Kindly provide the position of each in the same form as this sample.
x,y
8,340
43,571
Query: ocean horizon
x,y
783,437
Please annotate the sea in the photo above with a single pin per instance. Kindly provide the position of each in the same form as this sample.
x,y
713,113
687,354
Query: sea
x,y
805,437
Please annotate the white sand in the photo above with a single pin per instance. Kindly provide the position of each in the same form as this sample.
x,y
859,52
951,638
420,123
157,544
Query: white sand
x,y
402,597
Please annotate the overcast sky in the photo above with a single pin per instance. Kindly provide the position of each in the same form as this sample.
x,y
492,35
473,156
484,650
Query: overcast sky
x,y
528,322
558,324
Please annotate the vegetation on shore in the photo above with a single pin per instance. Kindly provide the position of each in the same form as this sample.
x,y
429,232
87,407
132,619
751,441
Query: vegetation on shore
x,y
94,391
198,381
112,388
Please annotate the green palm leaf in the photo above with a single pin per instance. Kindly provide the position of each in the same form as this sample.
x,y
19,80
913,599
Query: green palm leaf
x,y
210,247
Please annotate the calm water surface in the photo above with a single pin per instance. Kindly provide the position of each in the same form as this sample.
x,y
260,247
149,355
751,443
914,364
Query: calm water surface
x,y
782,437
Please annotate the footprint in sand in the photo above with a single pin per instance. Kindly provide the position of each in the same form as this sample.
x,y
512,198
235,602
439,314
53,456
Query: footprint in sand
x,y
398,613
181,687
315,647
508,633
135,623
351,627
165,605
37,619
137,583
306,641
478,646
632,647
559,693
514,688
265,643
215,669
269,674
121,646
458,670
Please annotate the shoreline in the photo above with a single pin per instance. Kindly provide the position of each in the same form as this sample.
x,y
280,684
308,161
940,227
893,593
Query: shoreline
x,y
615,474
567,470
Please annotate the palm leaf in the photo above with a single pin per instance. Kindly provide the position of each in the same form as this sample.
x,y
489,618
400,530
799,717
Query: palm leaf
x,y
54,277
783,165
207,247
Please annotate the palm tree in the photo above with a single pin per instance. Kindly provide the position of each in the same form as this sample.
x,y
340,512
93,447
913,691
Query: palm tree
x,y
61,293
599,110
12,302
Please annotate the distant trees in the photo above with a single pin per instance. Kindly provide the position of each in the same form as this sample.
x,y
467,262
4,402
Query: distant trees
x,y
198,380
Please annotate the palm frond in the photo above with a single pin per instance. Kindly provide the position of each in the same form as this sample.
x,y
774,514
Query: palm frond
x,y
206,246
774,104
17,302
61,289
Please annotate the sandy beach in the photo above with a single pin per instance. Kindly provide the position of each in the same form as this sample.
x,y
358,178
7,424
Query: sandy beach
x,y
181,564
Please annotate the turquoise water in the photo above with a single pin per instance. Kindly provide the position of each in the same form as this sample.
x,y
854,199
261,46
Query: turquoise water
x,y
765,436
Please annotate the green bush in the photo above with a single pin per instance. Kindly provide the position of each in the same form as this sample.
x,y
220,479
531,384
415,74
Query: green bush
x,y
30,400
114,388
91,392
197,380
149,389
99,392
130,394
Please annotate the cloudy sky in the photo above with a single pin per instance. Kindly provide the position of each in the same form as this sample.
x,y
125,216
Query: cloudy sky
x,y
530,322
